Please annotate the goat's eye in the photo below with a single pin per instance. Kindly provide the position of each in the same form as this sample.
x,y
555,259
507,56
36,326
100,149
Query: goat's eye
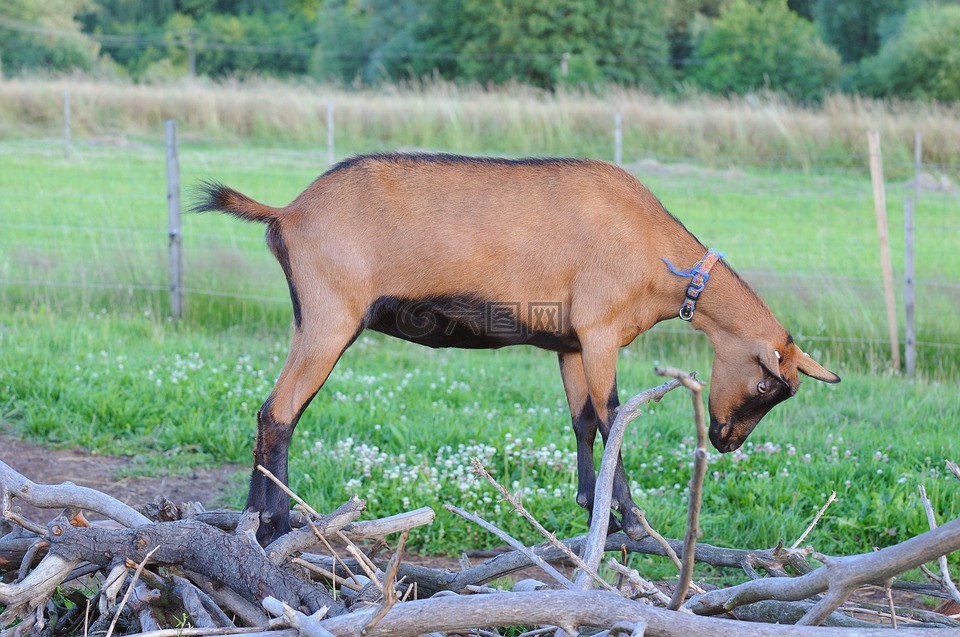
x,y
762,387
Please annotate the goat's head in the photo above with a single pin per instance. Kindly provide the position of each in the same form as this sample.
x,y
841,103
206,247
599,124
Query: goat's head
x,y
749,378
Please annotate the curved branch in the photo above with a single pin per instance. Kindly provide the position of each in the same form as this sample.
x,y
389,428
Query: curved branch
x,y
61,496
22,597
839,576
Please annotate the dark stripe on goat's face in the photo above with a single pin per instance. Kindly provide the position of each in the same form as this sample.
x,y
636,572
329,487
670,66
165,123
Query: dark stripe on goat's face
x,y
466,321
279,249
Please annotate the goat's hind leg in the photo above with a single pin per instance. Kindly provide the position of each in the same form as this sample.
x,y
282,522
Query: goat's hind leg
x,y
313,354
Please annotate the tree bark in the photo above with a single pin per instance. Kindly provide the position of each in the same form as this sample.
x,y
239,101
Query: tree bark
x,y
223,557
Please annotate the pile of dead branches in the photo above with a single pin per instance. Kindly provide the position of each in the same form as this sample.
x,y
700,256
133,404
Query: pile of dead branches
x,y
170,570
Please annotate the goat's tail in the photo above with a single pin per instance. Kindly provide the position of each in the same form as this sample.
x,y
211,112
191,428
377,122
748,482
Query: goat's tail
x,y
214,196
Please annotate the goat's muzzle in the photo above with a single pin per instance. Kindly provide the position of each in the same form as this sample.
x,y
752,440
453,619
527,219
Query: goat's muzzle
x,y
721,438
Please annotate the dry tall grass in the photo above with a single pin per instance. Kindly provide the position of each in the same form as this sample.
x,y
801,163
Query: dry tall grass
x,y
514,120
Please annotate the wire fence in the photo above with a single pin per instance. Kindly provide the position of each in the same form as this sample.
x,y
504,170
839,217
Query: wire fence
x,y
85,227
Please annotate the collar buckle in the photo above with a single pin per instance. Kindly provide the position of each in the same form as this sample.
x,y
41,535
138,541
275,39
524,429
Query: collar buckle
x,y
699,275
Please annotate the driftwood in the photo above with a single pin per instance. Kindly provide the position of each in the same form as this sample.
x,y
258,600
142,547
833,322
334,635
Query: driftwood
x,y
153,575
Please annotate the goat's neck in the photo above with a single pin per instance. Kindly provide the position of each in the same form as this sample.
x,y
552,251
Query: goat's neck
x,y
727,305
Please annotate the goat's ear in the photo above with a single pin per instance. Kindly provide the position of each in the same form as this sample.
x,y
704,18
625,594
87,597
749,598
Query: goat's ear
x,y
813,369
771,360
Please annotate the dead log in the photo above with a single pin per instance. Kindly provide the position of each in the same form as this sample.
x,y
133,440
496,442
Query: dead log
x,y
574,608
223,557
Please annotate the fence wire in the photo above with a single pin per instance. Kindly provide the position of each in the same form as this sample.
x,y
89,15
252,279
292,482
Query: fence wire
x,y
92,218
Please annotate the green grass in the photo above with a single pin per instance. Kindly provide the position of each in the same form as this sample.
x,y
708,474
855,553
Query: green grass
x,y
102,368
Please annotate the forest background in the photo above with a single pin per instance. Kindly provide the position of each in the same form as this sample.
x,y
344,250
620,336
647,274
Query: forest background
x,y
803,49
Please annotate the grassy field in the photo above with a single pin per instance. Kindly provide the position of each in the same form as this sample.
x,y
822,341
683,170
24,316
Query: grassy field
x,y
88,357
755,130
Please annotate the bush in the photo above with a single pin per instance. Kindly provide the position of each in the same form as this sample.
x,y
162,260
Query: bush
x,y
763,46
922,61
44,36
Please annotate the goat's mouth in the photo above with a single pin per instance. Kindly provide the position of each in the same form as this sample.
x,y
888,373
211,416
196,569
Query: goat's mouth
x,y
722,436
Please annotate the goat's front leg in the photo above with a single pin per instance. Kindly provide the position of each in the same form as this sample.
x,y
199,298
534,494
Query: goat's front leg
x,y
600,371
585,425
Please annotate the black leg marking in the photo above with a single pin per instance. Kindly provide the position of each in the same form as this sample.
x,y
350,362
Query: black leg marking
x,y
273,445
621,499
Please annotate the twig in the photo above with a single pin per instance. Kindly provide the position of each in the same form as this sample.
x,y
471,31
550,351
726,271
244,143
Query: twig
x,y
319,570
646,588
126,596
816,518
369,568
309,509
596,539
338,560
216,632
306,625
893,609
304,538
29,525
530,555
481,471
696,484
389,587
945,580
954,469
662,541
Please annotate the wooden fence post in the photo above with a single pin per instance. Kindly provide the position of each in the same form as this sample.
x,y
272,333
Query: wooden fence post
x,y
880,207
617,139
173,221
917,166
66,123
908,296
330,153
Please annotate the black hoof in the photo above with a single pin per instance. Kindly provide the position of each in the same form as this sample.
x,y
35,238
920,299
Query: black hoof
x,y
272,528
612,526
632,525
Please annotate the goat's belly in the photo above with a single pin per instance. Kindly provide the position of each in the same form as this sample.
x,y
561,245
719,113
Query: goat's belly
x,y
469,323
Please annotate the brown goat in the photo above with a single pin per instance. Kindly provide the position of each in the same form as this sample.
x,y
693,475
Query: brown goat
x,y
570,255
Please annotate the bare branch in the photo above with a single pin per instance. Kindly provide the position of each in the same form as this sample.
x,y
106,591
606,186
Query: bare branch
x,y
46,496
945,579
700,456
644,587
305,537
533,557
954,469
596,539
602,609
22,597
816,518
481,471
133,584
840,576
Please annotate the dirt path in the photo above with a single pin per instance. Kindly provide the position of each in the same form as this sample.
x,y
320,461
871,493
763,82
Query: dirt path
x,y
44,465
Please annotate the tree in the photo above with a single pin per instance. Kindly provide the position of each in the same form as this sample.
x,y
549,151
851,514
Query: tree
x,y
525,40
753,46
681,16
921,61
856,27
44,34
